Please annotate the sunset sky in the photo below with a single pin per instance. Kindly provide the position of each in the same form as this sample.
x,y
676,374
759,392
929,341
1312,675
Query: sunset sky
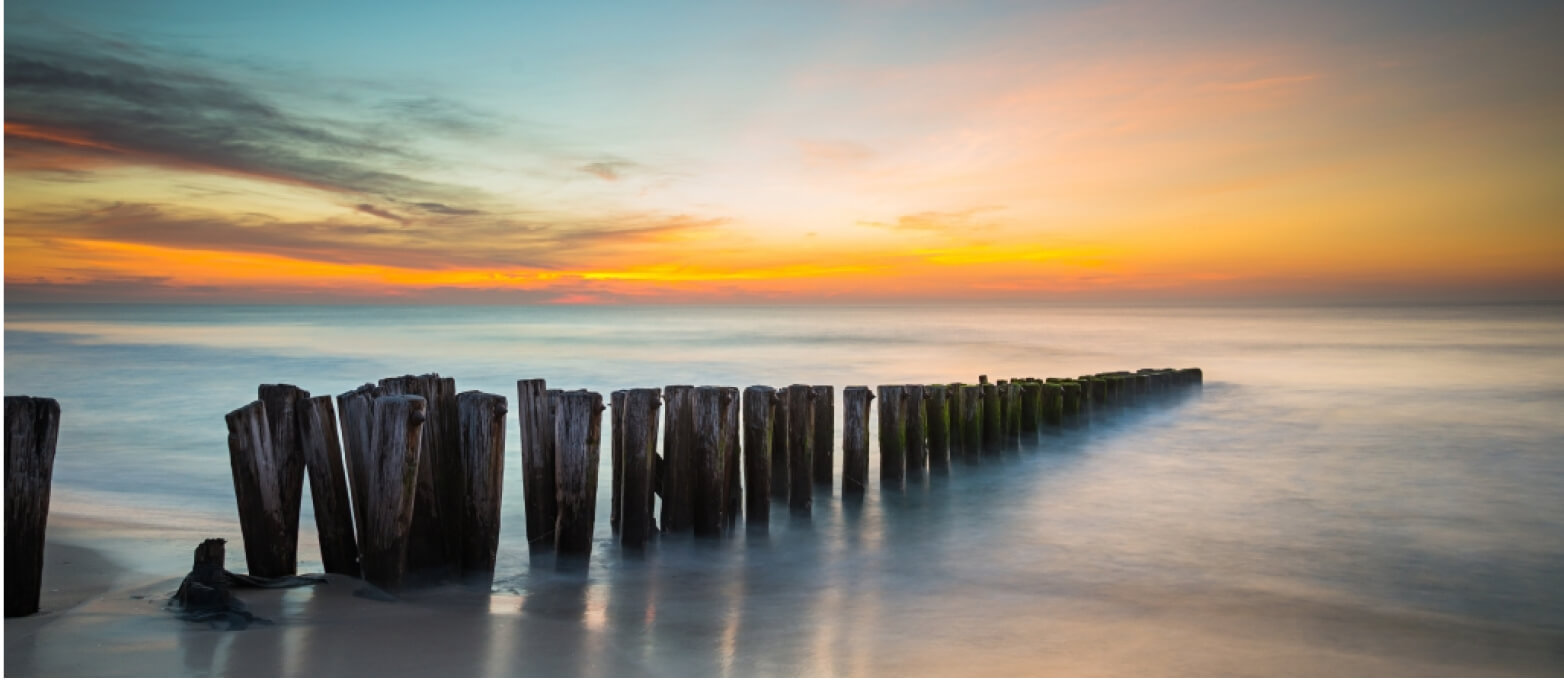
x,y
783,151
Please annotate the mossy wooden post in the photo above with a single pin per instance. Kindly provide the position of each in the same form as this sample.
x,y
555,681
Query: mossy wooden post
x,y
893,433
394,444
639,467
481,419
1073,401
954,412
328,486
269,550
535,415
800,447
32,430
1013,415
616,409
356,414
936,421
993,417
855,440
710,488
824,430
678,473
433,550
779,447
1053,403
971,421
282,417
732,458
916,435
577,437
759,425
1031,406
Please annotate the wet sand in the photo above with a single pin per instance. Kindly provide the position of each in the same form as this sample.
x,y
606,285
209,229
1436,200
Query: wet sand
x,y
104,617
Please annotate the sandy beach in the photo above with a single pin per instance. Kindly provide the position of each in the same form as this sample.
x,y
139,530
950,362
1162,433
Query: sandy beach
x,y
104,615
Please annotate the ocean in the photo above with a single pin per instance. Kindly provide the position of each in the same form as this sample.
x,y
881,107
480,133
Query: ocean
x,y
1344,462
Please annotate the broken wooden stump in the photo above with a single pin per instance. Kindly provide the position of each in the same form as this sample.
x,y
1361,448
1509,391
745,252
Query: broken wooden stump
x,y
535,414
433,550
481,418
639,426
355,413
269,549
577,432
855,440
395,442
32,430
328,485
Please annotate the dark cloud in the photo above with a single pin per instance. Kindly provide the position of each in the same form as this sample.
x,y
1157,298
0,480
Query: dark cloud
x,y
442,209
369,209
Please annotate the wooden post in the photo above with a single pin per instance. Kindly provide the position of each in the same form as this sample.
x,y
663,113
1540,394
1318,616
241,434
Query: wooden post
x,y
434,548
993,417
759,411
1012,402
893,434
678,459
482,423
1031,406
356,414
616,455
779,448
732,458
800,446
710,489
916,443
639,467
282,417
32,429
537,461
328,485
1073,399
395,442
954,411
268,549
824,434
577,434
855,440
1053,403
972,421
937,422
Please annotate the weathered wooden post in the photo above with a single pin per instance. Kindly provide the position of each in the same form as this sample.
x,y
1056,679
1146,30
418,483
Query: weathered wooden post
x,y
893,434
32,429
855,440
733,458
536,417
482,424
577,435
328,485
678,471
955,410
916,438
1074,401
282,417
800,446
937,422
972,421
616,401
993,417
780,477
269,550
356,414
395,441
710,489
1053,403
1012,401
433,551
639,467
759,413
1031,406
824,434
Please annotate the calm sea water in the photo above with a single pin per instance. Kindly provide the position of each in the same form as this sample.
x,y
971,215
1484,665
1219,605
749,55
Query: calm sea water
x,y
1396,458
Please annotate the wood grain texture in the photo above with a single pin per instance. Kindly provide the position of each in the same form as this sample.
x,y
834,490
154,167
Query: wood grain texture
x,y
577,435
616,409
481,417
639,427
537,461
732,458
281,401
709,492
328,485
824,434
434,548
759,413
396,439
800,447
855,439
269,551
32,430
678,473
936,421
356,415
893,433
780,478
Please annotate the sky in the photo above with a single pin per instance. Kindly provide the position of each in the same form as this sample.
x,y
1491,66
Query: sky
x,y
797,152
